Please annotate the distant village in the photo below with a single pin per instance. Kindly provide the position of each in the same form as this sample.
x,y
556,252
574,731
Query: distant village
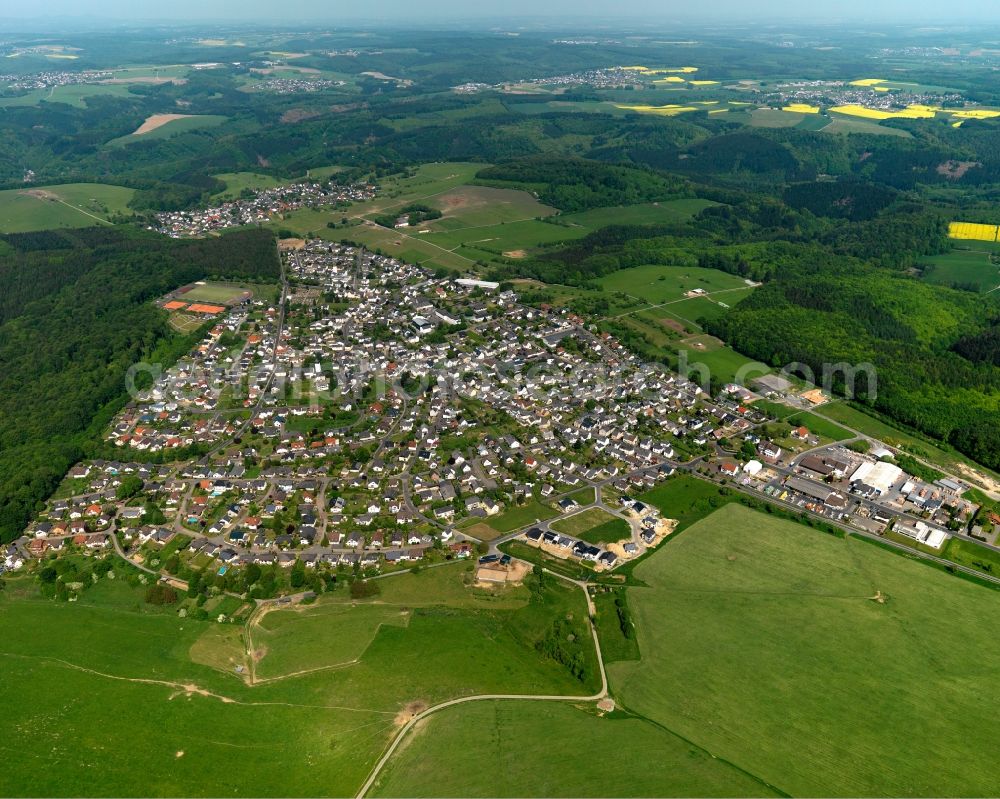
x,y
262,206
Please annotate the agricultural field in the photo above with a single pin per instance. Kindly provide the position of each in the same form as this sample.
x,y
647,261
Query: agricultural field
x,y
846,125
65,206
75,94
397,243
686,499
507,751
334,633
163,126
971,554
962,267
775,118
510,239
972,231
93,663
483,206
796,609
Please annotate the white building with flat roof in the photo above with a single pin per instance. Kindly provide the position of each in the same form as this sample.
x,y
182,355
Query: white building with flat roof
x,y
880,475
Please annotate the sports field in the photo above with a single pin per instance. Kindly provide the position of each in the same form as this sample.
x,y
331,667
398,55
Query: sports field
x,y
754,629
214,292
65,206
126,699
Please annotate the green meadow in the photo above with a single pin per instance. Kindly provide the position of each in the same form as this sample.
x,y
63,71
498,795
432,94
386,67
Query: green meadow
x,y
762,643
112,697
521,515
237,182
964,267
172,128
516,748
661,284
65,206
594,525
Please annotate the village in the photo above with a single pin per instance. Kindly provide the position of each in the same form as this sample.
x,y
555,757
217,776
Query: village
x,y
259,207
376,417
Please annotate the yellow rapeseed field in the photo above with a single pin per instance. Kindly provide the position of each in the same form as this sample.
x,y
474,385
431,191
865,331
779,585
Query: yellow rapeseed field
x,y
704,82
868,82
910,112
661,71
801,108
976,113
660,110
972,231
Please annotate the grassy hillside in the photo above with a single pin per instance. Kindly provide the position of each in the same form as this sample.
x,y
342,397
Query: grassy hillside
x,y
758,630
554,749
130,700
66,206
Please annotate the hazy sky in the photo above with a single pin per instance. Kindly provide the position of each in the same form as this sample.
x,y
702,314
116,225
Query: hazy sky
x,y
571,11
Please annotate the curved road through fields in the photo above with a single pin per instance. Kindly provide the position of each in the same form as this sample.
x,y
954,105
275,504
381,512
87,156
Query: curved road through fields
x,y
377,770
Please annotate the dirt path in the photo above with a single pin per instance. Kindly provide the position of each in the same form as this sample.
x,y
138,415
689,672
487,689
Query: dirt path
x,y
190,689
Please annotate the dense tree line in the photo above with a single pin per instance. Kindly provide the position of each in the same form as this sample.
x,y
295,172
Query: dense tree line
x,y
906,329
577,184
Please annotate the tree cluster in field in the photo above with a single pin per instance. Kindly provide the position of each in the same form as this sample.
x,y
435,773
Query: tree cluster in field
x,y
415,213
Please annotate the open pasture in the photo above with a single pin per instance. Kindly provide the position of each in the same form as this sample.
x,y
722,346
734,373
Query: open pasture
x,y
74,94
507,751
478,206
487,241
644,214
660,284
819,426
405,245
133,700
163,126
237,182
521,516
758,629
963,267
66,206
